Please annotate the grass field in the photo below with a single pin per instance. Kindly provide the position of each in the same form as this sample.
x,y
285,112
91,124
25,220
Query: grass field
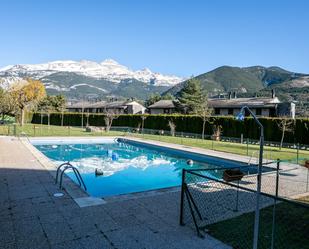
x,y
272,153
242,149
291,230
45,130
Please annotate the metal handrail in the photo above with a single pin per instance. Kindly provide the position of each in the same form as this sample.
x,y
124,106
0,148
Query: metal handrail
x,y
267,159
253,153
24,134
59,168
67,166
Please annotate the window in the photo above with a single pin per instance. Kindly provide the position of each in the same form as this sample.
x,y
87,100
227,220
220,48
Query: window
x,y
230,111
258,111
272,112
166,111
217,111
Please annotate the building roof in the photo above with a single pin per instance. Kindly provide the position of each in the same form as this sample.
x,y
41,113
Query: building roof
x,y
240,102
115,104
161,104
103,104
96,104
78,105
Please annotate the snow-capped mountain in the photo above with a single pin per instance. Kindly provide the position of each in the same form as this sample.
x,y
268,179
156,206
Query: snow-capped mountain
x,y
108,70
88,79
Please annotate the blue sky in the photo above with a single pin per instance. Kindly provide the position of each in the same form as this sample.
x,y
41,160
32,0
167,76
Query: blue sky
x,y
169,36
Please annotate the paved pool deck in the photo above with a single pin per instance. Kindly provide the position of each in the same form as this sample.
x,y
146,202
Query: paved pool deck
x,y
32,218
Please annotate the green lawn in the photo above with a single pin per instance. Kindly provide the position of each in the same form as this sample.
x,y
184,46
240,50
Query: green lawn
x,y
44,130
291,232
242,149
272,153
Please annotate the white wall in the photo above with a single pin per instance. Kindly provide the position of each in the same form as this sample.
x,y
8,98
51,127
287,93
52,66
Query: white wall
x,y
156,111
138,109
161,111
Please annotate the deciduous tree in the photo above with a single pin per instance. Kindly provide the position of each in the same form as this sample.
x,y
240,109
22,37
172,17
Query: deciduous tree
x,y
285,125
172,126
27,94
108,119
205,113
7,105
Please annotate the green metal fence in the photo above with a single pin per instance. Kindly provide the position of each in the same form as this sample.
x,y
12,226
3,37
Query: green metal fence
x,y
226,210
295,153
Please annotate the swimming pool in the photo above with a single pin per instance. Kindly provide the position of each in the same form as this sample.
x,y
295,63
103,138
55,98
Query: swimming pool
x,y
127,166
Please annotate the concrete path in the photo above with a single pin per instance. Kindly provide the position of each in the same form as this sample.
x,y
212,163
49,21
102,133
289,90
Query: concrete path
x,y
32,218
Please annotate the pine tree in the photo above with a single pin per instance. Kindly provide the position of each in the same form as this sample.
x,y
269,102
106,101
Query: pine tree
x,y
192,96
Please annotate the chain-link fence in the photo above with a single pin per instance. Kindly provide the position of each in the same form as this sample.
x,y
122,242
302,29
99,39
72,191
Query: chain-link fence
x,y
226,208
295,153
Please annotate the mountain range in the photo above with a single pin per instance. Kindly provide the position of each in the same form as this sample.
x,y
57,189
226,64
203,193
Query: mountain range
x,y
88,79
77,79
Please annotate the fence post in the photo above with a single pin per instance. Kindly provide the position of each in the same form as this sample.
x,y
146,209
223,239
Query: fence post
x,y
307,179
297,156
34,130
183,177
15,130
237,194
247,146
274,209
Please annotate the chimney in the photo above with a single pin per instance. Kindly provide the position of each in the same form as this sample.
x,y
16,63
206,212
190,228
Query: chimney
x,y
273,94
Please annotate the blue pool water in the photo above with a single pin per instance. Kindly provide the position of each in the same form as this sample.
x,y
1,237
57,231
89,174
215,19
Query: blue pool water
x,y
128,167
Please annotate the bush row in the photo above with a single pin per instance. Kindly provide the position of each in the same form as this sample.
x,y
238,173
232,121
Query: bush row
x,y
190,124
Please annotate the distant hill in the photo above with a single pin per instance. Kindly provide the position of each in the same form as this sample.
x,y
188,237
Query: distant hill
x,y
245,79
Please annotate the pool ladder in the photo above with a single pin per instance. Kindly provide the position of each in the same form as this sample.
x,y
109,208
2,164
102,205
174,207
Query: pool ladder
x,y
65,166
23,134
266,158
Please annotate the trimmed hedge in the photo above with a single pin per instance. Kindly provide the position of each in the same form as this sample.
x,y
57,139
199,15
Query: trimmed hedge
x,y
190,124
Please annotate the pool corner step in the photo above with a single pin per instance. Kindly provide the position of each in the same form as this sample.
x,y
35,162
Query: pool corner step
x,y
88,201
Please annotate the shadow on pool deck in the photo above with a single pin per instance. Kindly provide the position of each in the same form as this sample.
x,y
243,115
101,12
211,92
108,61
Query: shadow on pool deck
x,y
31,217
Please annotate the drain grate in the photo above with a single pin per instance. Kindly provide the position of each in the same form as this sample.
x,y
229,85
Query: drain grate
x,y
58,194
